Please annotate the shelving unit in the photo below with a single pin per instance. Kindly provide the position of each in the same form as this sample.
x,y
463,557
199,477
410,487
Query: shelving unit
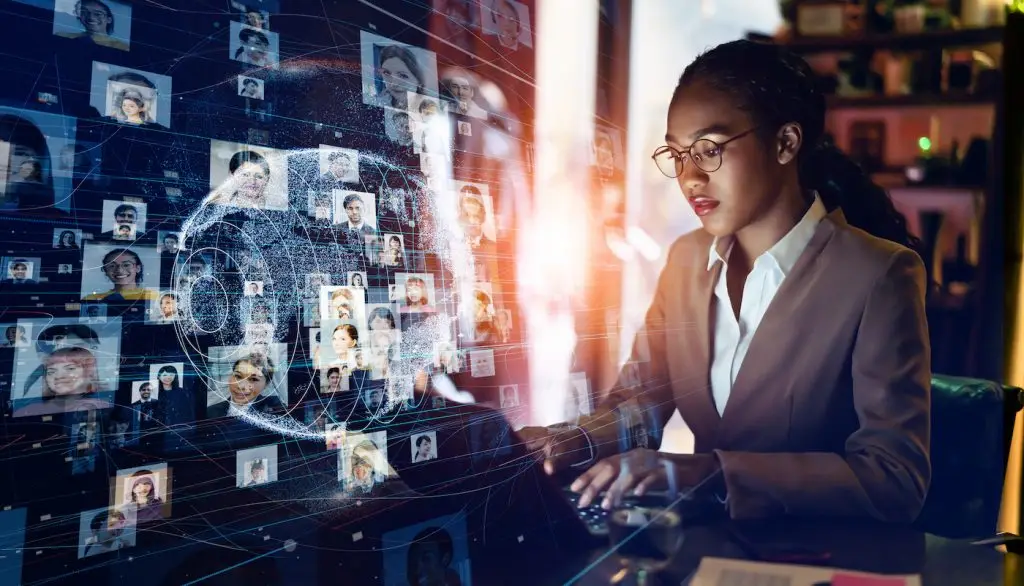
x,y
954,319
910,101
895,41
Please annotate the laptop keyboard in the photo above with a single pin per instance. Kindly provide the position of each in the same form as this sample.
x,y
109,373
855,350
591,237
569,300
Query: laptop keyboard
x,y
593,516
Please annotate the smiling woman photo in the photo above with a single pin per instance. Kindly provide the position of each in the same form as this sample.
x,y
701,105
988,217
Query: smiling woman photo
x,y
789,331
249,378
123,268
70,383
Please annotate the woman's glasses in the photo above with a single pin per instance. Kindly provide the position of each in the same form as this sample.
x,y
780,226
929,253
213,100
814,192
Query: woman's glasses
x,y
705,153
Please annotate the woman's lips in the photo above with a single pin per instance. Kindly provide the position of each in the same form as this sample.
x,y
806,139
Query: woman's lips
x,y
703,206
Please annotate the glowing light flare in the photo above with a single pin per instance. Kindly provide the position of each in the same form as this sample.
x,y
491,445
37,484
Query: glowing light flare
x,y
554,249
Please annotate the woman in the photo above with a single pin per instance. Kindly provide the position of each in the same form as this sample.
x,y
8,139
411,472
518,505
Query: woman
x,y
398,72
123,267
168,307
333,380
144,504
131,107
344,339
383,331
254,48
67,240
98,21
362,469
392,255
484,332
506,23
829,422
249,377
250,174
341,303
29,179
424,449
357,281
416,300
70,383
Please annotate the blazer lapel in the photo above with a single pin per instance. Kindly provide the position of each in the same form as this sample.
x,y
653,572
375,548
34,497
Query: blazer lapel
x,y
696,400
772,339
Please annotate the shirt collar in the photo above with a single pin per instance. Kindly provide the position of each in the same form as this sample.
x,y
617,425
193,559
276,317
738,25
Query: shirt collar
x,y
787,250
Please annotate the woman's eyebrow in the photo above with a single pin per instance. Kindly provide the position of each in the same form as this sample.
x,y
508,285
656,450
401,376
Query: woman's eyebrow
x,y
710,129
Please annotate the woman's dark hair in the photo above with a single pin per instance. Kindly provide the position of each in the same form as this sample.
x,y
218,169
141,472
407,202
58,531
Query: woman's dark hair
x,y
350,329
118,252
384,314
242,157
143,477
333,370
168,368
775,87
420,440
406,56
60,241
21,132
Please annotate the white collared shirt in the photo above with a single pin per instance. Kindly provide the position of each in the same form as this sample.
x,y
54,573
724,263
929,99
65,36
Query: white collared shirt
x,y
731,337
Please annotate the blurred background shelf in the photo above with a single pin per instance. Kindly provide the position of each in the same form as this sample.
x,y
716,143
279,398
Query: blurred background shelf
x,y
909,100
895,41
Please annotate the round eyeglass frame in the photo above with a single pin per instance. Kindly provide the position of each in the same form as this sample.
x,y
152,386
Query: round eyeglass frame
x,y
718,145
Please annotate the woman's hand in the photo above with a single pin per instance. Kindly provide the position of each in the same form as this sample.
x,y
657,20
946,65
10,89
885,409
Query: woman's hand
x,y
558,448
639,471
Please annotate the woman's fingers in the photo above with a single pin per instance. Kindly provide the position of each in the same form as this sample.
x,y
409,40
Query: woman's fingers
x,y
594,481
622,484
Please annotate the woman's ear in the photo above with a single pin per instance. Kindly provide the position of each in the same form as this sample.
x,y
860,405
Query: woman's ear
x,y
790,139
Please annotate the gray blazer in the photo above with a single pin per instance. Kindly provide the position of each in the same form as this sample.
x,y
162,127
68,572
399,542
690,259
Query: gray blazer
x,y
829,414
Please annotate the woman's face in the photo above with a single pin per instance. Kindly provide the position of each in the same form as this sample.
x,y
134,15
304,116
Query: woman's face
x,y
508,20
67,239
744,188
333,379
414,291
141,492
252,180
166,378
424,448
398,78
20,156
64,378
395,245
94,18
246,384
357,280
254,19
130,108
378,323
341,341
362,465
256,50
122,270
481,310
168,306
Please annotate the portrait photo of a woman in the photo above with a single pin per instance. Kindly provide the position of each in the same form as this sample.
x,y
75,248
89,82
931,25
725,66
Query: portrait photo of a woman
x,y
102,22
34,140
250,386
64,239
253,46
418,294
124,269
247,177
142,501
391,70
70,383
509,22
131,96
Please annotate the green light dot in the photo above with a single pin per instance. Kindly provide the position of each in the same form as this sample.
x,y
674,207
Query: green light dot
x,y
925,143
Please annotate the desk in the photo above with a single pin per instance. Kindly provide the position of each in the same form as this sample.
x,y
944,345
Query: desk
x,y
860,546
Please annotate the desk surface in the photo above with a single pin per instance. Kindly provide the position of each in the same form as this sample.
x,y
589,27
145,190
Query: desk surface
x,y
855,546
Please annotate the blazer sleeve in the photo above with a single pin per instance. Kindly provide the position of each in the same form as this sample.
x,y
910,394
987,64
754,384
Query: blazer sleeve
x,y
885,470
649,391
